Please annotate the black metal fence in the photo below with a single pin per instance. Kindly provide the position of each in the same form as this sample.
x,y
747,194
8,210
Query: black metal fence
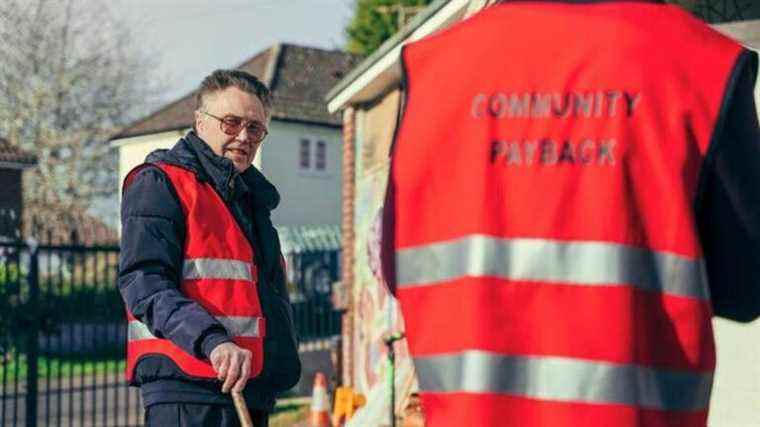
x,y
313,274
63,336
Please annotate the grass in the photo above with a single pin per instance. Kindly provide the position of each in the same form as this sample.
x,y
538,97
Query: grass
x,y
288,415
63,366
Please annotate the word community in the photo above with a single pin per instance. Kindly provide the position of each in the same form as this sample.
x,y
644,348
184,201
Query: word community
x,y
548,152
591,104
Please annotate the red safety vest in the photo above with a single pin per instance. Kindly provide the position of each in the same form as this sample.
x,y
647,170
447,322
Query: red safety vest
x,y
542,186
218,272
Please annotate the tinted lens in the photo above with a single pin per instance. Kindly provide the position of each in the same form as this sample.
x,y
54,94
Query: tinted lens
x,y
231,125
256,132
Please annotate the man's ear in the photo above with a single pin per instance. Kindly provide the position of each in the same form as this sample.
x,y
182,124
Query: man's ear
x,y
198,120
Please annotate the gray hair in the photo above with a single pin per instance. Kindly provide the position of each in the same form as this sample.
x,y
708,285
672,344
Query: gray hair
x,y
222,79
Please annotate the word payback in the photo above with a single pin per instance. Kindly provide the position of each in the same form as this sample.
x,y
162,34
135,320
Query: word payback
x,y
572,105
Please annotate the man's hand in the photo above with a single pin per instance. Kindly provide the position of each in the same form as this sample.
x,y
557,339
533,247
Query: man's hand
x,y
232,365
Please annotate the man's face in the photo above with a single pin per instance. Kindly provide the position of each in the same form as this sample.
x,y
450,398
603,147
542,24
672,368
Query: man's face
x,y
231,102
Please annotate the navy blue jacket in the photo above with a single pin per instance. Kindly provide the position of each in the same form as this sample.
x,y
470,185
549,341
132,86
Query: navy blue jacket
x,y
153,234
728,200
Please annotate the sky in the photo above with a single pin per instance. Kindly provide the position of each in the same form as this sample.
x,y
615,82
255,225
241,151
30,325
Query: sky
x,y
190,38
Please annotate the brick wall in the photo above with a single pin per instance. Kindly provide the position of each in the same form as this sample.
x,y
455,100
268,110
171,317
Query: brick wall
x,y
347,232
368,131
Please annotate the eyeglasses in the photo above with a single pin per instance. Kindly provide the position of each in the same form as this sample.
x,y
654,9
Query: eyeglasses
x,y
232,125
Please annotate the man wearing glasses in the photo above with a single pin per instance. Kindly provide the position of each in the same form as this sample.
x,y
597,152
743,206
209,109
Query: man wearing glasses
x,y
201,271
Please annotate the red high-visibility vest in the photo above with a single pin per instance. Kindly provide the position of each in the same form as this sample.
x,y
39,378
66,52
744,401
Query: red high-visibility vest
x,y
542,192
218,272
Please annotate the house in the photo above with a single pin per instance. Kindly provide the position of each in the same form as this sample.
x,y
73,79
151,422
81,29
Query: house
x,y
13,161
370,98
301,155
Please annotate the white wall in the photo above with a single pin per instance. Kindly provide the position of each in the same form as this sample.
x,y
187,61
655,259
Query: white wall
x,y
736,393
307,196
132,151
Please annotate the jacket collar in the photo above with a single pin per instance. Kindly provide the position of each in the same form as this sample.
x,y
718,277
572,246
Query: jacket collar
x,y
219,170
193,154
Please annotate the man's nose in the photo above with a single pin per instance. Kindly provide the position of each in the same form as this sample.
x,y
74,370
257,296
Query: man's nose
x,y
242,136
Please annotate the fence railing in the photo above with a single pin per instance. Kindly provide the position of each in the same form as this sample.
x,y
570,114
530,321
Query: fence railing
x,y
63,336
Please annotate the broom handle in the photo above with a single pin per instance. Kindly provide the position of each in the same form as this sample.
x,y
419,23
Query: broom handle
x,y
242,410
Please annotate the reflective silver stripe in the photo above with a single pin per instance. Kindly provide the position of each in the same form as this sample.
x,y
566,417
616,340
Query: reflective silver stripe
x,y
241,326
564,379
236,326
211,268
573,262
137,330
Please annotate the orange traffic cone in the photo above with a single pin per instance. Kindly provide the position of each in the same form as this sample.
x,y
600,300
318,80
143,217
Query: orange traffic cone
x,y
320,404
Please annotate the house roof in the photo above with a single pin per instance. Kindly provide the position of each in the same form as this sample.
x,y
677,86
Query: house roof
x,y
298,76
12,154
309,238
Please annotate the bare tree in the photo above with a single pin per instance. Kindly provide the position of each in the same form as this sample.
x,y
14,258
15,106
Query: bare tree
x,y
71,76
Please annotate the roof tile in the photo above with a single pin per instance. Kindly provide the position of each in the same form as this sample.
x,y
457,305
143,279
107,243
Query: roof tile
x,y
309,238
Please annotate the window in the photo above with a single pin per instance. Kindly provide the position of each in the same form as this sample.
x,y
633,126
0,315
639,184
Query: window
x,y
305,154
321,161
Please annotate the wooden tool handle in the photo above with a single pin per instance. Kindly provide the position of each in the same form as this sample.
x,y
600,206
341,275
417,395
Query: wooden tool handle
x,y
242,410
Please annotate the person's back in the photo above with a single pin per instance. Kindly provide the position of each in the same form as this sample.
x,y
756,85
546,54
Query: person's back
x,y
544,184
